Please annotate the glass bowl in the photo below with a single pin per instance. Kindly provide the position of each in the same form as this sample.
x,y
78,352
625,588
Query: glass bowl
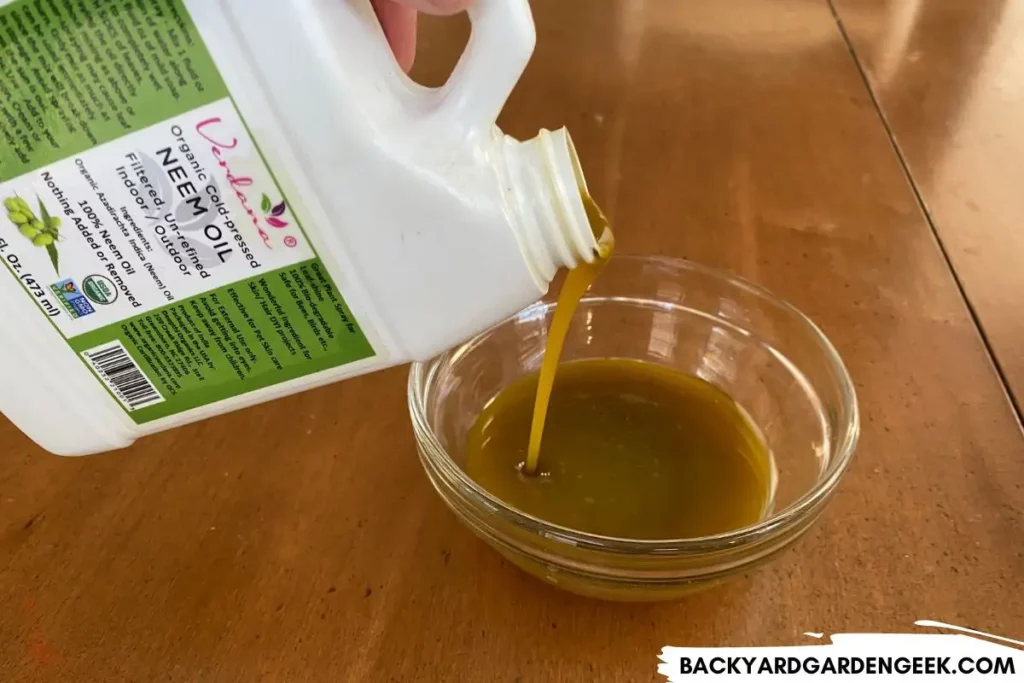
x,y
761,350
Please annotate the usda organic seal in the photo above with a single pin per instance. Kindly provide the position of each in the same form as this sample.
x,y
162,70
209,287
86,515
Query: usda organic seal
x,y
99,289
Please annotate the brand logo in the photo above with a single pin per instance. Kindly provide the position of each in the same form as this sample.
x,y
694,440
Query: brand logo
x,y
270,214
71,299
99,289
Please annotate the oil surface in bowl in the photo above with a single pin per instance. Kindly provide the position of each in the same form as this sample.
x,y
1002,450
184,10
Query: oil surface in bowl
x,y
630,449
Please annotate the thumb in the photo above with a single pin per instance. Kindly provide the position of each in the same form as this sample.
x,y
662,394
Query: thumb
x,y
399,24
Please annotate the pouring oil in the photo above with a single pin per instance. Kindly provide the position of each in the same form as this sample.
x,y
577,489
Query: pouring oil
x,y
630,449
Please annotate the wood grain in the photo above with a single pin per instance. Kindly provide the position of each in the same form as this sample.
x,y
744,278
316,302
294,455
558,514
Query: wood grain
x,y
300,540
950,79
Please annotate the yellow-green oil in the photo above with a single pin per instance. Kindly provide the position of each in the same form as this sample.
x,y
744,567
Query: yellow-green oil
x,y
630,450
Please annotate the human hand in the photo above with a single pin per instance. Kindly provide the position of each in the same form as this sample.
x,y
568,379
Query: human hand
x,y
398,19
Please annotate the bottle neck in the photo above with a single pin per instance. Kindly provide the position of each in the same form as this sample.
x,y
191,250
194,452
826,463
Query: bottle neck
x,y
544,188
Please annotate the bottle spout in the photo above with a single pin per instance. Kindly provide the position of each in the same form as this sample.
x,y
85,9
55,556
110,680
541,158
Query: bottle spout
x,y
547,194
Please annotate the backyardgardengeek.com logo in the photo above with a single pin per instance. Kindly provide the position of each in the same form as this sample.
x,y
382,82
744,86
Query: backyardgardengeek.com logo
x,y
966,654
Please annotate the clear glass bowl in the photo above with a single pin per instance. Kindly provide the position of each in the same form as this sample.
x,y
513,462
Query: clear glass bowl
x,y
762,351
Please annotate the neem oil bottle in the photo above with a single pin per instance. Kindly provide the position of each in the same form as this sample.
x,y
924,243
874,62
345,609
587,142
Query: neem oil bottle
x,y
212,203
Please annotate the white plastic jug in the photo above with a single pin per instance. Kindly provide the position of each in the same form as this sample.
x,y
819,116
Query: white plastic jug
x,y
213,203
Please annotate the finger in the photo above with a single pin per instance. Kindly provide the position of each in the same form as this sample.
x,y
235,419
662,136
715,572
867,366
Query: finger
x,y
399,24
437,6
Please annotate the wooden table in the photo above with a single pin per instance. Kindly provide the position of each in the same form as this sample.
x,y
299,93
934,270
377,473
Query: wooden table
x,y
950,79
738,133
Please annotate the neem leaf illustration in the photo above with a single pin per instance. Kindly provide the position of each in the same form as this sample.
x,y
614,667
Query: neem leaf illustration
x,y
43,213
265,204
51,249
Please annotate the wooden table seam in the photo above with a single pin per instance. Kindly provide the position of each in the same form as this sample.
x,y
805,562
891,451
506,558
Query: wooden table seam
x,y
929,219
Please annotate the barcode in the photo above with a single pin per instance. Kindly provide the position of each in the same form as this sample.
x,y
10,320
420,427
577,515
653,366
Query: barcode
x,y
123,376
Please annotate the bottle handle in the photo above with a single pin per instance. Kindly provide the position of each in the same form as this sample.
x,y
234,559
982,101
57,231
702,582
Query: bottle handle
x,y
501,41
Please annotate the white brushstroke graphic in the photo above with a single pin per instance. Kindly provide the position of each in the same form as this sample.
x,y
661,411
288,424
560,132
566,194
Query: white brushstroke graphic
x,y
951,627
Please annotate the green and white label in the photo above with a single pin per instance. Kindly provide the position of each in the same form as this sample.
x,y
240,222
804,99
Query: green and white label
x,y
141,218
